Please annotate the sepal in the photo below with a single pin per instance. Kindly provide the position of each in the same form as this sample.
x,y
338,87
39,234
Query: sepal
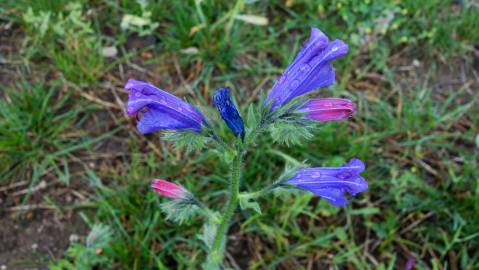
x,y
180,210
186,139
291,131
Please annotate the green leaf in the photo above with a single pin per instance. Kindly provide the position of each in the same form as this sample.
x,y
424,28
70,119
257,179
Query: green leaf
x,y
251,120
246,204
188,140
365,211
208,233
291,132
179,210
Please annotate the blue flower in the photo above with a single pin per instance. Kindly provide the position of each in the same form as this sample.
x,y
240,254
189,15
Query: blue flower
x,y
160,110
331,183
310,69
228,111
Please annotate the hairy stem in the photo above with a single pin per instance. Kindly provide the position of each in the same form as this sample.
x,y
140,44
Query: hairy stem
x,y
216,254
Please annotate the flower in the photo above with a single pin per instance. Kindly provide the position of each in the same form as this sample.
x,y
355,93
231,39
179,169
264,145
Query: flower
x,y
327,109
310,69
228,111
163,110
332,182
169,189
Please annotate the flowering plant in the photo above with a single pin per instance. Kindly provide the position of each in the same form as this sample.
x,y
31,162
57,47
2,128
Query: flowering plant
x,y
286,113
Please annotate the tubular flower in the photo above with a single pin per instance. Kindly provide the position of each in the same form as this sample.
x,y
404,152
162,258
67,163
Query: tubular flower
x,y
328,109
169,189
228,111
331,183
310,69
161,110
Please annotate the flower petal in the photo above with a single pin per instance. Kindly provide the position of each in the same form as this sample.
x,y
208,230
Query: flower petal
x,y
310,69
228,111
170,111
328,109
154,119
332,195
335,179
169,189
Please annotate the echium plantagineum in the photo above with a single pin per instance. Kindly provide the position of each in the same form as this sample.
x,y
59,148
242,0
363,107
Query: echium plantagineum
x,y
286,113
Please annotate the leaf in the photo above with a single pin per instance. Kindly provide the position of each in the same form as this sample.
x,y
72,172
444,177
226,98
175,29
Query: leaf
x,y
208,233
179,211
365,211
291,132
251,121
246,204
189,140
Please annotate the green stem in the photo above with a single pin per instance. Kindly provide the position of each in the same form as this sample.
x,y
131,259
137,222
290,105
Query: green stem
x,y
217,249
259,193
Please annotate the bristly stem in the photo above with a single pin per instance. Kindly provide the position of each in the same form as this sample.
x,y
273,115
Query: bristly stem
x,y
215,257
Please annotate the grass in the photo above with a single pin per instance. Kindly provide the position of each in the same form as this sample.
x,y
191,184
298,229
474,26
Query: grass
x,y
415,128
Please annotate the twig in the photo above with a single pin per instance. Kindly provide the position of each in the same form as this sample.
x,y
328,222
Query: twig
x,y
232,261
416,223
31,207
14,185
93,98
180,75
257,89
40,186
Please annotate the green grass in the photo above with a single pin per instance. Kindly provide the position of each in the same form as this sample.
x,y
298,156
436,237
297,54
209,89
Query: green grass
x,y
417,136
38,129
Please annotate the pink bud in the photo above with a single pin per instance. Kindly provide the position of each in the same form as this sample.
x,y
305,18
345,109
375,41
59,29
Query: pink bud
x,y
169,189
328,109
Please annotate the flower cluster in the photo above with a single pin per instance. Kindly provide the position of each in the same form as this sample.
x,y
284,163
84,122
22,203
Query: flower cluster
x,y
312,68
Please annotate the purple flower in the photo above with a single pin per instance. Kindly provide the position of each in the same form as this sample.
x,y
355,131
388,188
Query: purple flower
x,y
228,111
310,69
411,261
328,109
332,182
160,110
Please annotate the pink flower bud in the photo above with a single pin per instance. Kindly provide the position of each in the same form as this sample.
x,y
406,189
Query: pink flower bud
x,y
169,189
328,109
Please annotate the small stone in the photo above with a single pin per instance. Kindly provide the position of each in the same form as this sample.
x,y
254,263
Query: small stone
x,y
74,238
3,267
35,246
190,50
110,52
42,184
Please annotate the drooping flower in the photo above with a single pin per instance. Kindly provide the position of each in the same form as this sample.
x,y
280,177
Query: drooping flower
x,y
331,183
328,109
169,189
310,69
160,109
228,111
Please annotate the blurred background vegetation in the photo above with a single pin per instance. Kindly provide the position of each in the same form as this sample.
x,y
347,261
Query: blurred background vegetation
x,y
74,171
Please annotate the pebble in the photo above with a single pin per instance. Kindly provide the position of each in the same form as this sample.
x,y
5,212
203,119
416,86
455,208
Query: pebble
x,y
34,246
3,267
110,52
74,238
